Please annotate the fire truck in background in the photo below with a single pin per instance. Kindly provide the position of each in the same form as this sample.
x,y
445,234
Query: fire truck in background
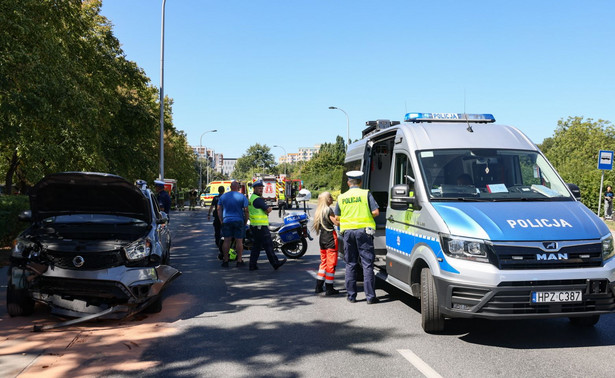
x,y
279,190
287,190
270,193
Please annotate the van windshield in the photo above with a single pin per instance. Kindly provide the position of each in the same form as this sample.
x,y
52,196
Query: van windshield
x,y
490,175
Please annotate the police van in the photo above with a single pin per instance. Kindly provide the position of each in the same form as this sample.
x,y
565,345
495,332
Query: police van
x,y
476,222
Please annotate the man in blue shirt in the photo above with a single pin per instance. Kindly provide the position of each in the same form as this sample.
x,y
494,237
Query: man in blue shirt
x,y
233,211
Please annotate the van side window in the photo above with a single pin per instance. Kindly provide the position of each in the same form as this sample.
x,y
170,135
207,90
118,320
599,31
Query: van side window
x,y
403,169
354,165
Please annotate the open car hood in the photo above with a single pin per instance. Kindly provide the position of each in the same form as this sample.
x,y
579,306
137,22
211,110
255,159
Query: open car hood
x,y
87,193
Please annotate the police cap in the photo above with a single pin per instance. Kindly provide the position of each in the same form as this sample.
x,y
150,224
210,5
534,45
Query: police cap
x,y
158,182
257,183
355,175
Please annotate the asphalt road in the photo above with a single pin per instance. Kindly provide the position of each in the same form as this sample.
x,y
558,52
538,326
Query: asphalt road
x,y
236,323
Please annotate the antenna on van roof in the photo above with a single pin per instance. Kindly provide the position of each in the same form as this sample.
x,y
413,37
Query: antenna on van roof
x,y
465,115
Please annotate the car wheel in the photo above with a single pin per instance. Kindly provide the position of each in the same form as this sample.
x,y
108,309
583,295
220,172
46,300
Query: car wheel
x,y
585,321
431,319
18,300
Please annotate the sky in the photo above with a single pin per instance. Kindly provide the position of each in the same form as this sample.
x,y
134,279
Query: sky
x,y
267,71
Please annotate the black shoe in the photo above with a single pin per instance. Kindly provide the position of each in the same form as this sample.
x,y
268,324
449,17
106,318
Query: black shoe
x,y
220,256
331,290
240,263
253,268
224,264
319,288
351,300
373,300
279,264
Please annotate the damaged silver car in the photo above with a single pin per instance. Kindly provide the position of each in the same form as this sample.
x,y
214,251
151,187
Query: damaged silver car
x,y
98,246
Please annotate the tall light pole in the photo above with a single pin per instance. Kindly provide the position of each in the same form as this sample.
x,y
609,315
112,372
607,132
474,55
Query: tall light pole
x,y
161,175
347,122
200,160
285,154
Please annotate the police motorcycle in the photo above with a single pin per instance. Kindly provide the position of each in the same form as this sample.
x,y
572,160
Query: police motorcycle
x,y
291,236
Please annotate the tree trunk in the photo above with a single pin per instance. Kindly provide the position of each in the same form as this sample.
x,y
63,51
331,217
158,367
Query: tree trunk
x,y
8,181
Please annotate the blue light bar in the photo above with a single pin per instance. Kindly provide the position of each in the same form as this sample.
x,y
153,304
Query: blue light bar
x,y
448,117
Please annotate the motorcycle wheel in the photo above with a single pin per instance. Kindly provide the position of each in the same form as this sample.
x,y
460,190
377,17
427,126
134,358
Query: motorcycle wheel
x,y
295,250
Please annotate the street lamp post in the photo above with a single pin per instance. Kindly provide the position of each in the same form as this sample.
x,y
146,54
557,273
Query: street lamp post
x,y
200,160
161,174
347,122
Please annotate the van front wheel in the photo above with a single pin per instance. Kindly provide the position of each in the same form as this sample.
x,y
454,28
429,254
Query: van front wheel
x,y
431,319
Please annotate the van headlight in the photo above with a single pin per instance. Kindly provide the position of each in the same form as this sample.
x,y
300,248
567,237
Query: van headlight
x,y
465,248
607,248
138,250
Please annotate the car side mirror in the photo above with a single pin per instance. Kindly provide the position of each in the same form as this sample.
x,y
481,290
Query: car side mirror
x,y
402,198
164,218
25,216
576,192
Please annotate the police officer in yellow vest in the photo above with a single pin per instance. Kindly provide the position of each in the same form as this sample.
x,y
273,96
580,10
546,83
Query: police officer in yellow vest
x,y
259,226
356,210
281,202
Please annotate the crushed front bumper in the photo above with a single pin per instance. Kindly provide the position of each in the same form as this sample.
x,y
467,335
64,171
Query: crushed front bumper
x,y
83,293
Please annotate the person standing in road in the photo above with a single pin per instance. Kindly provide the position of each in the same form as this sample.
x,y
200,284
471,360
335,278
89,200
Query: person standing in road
x,y
164,199
324,225
233,211
217,222
259,226
356,210
608,203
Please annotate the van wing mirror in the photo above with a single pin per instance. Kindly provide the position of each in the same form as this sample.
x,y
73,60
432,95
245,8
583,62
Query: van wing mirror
x,y
576,192
401,198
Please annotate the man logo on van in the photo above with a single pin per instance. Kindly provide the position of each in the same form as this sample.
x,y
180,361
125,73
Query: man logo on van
x,y
351,200
534,223
551,256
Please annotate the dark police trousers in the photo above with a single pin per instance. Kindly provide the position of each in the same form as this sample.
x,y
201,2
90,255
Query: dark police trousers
x,y
262,240
358,243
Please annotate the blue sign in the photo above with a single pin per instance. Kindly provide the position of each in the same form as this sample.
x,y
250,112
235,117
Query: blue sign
x,y
605,160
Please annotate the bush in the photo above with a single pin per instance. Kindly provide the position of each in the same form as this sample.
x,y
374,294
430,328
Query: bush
x,y
10,226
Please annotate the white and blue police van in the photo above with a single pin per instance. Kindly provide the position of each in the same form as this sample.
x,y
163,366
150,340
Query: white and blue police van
x,y
476,222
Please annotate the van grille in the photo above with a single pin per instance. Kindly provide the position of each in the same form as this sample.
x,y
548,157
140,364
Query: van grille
x,y
526,257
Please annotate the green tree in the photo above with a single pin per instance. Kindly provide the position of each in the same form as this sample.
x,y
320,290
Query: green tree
x,y
70,100
573,151
257,159
324,171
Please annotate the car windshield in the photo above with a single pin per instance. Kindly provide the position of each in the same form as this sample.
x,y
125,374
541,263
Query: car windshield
x,y
490,175
92,219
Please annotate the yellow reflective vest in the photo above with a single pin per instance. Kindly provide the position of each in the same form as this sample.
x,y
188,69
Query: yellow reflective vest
x,y
258,217
354,210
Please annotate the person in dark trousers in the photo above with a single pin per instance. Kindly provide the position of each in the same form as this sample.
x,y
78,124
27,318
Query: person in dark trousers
x,y
356,210
164,199
324,225
259,226
233,210
217,222
608,203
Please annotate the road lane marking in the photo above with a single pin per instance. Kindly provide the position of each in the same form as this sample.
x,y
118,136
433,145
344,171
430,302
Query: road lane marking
x,y
419,364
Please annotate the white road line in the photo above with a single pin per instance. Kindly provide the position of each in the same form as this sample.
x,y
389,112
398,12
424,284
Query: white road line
x,y
419,364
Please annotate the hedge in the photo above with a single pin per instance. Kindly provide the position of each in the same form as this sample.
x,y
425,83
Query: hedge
x,y
10,226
